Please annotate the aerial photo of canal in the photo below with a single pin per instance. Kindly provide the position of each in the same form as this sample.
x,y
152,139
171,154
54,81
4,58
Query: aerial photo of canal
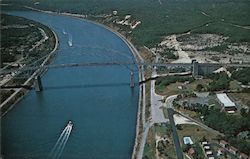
x,y
97,101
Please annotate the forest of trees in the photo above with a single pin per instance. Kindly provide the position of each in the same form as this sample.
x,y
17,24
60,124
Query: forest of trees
x,y
230,125
165,81
221,81
242,75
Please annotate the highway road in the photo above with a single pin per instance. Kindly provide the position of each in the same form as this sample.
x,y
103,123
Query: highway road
x,y
169,105
178,148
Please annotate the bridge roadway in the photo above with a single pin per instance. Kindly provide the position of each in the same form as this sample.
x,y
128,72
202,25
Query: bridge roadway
x,y
90,64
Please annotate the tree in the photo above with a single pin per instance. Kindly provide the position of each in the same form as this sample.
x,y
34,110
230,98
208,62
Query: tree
x,y
179,127
243,112
185,148
199,87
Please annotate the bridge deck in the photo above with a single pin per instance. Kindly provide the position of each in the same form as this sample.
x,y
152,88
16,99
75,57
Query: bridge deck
x,y
91,64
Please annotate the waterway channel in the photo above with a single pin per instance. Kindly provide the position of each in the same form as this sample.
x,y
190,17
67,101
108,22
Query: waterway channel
x,y
98,100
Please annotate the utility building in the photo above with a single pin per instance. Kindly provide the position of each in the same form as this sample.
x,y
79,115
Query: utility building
x,y
226,103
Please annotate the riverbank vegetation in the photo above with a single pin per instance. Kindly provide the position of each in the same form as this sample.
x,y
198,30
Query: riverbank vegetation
x,y
23,43
24,39
242,75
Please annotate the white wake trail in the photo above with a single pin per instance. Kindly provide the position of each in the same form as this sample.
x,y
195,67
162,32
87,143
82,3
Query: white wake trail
x,y
57,142
64,143
58,148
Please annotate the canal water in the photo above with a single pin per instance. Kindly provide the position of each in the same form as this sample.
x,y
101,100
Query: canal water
x,y
98,100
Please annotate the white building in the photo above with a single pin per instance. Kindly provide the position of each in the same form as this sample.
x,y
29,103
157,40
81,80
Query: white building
x,y
227,104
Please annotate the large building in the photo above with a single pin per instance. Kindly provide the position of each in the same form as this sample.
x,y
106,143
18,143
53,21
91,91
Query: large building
x,y
227,104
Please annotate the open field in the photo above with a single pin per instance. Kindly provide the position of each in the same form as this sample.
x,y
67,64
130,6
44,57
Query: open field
x,y
169,90
244,98
195,132
156,134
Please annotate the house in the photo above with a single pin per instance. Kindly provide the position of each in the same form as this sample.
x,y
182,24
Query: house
x,y
226,103
233,150
208,153
191,152
206,148
243,156
204,143
224,144
220,151
210,156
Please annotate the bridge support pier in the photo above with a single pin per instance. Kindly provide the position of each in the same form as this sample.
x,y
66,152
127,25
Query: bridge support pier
x,y
132,80
38,84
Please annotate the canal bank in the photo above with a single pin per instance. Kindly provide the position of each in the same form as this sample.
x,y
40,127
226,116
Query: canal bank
x,y
116,97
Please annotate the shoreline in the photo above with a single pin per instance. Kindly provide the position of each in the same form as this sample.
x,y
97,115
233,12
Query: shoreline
x,y
138,59
24,91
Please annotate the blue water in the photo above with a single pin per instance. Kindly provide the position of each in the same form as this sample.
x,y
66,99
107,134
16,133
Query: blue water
x,y
97,99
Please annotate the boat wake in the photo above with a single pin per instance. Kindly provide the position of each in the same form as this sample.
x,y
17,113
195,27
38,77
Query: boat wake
x,y
70,40
58,148
64,32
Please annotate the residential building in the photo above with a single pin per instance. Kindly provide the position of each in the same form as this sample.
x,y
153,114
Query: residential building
x,y
224,144
243,156
233,150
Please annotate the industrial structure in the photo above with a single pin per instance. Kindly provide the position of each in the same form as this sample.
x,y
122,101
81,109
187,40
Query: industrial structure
x,y
226,103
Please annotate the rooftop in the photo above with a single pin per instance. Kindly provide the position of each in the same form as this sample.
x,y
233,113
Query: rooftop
x,y
233,148
225,100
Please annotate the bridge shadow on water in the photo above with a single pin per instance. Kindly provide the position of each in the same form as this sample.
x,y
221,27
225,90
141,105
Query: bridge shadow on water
x,y
88,86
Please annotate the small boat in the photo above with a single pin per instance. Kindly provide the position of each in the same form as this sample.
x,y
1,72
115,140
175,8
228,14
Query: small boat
x,y
70,40
70,123
70,43
64,32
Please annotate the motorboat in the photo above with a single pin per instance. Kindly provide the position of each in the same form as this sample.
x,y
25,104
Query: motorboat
x,y
70,40
70,123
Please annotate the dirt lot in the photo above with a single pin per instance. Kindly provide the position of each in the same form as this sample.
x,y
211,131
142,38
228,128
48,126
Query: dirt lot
x,y
206,48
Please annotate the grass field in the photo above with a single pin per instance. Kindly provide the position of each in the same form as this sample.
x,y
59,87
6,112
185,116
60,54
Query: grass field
x,y
171,89
243,97
195,132
150,147
193,85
